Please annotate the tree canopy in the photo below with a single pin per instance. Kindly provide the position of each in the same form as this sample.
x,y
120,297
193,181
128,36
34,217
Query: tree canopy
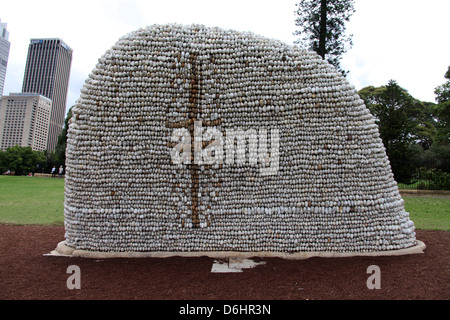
x,y
443,91
399,118
322,27
21,160
60,150
414,133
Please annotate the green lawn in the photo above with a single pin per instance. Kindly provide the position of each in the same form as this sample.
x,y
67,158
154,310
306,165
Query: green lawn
x,y
31,200
429,212
25,200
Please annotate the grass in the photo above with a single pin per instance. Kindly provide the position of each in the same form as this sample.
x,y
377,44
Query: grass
x,y
25,200
429,212
31,200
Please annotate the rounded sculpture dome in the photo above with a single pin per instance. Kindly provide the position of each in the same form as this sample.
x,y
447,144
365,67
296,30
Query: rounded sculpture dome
x,y
188,138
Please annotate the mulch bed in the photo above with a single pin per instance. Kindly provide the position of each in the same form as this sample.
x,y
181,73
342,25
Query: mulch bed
x,y
26,274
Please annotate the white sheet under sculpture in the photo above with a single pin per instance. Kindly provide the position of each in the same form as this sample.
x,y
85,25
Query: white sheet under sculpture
x,y
315,176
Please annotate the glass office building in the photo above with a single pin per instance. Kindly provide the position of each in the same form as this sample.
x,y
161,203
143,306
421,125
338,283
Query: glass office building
x,y
47,73
4,53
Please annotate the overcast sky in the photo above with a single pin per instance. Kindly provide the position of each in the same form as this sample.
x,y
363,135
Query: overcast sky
x,y
404,40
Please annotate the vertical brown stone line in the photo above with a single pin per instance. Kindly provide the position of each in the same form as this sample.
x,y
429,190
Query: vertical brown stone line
x,y
193,110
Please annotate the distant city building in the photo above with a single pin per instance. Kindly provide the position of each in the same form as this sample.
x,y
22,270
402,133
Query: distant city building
x,y
47,73
4,53
24,121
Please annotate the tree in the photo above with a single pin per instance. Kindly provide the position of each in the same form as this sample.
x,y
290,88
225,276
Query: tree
x,y
438,156
60,150
21,160
403,126
443,92
322,27
442,111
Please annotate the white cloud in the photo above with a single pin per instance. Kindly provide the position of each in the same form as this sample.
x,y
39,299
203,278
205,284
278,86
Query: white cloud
x,y
403,40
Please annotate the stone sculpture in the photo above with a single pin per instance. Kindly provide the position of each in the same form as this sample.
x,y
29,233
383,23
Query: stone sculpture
x,y
319,179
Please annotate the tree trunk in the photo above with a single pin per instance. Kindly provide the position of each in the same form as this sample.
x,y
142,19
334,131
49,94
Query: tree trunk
x,y
323,28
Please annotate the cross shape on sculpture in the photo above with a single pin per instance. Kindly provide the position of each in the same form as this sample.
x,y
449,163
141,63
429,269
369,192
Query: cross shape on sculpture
x,y
193,110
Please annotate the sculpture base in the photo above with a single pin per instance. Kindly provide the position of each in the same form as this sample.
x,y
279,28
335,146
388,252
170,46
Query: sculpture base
x,y
63,250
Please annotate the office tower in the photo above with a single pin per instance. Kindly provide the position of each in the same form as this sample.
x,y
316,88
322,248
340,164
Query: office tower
x,y
4,53
24,121
47,73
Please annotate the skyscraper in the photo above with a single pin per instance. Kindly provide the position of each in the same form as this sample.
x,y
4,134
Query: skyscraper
x,y
4,53
24,121
47,73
